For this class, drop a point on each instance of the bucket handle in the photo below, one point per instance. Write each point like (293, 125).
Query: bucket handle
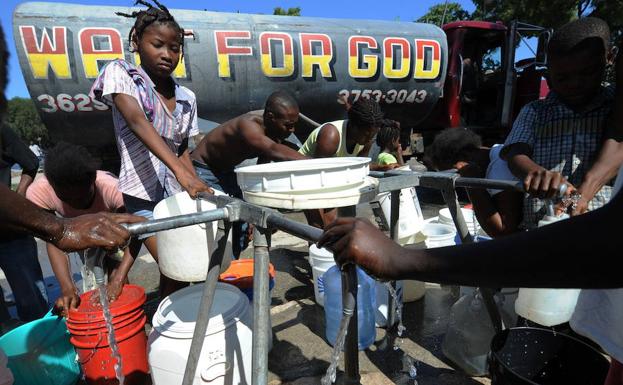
(230, 277)
(216, 370)
(92, 351)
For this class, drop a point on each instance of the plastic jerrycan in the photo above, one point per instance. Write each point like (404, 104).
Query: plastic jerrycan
(547, 307)
(470, 331)
(333, 306)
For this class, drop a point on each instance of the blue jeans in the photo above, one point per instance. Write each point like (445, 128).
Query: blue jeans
(18, 261)
(227, 183)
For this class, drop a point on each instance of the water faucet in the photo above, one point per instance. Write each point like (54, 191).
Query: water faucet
(549, 205)
(94, 261)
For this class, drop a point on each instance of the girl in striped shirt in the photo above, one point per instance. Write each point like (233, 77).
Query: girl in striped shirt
(153, 118)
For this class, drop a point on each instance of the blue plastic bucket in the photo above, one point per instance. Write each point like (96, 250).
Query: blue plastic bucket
(40, 353)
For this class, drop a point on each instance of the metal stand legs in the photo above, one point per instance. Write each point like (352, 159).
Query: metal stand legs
(261, 307)
(349, 300)
(203, 316)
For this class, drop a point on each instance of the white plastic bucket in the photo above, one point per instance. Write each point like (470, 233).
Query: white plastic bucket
(321, 260)
(438, 235)
(412, 290)
(226, 353)
(410, 219)
(468, 214)
(547, 307)
(184, 253)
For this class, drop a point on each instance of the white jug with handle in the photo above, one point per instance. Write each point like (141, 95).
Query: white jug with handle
(547, 307)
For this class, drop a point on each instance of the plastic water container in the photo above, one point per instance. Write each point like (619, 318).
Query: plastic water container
(184, 253)
(89, 335)
(240, 274)
(439, 235)
(547, 307)
(39, 353)
(410, 220)
(468, 214)
(321, 260)
(413, 290)
(365, 307)
(467, 341)
(226, 352)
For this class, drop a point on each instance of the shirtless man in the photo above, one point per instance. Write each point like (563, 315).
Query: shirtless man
(255, 134)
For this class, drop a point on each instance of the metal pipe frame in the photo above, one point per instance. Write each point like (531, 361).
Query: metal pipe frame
(207, 297)
(447, 183)
(261, 307)
(394, 216)
(175, 222)
(232, 209)
(349, 304)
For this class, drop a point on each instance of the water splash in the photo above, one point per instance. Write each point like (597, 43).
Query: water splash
(330, 375)
(398, 311)
(112, 342)
(408, 363)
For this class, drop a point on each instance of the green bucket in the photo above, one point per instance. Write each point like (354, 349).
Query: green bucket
(40, 353)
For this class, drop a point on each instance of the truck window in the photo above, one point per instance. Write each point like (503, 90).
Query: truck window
(492, 61)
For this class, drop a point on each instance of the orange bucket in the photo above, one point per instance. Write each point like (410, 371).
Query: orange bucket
(240, 274)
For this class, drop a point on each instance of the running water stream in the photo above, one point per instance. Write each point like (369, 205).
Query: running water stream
(408, 362)
(112, 342)
(329, 377)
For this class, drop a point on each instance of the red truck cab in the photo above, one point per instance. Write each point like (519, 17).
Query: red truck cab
(484, 88)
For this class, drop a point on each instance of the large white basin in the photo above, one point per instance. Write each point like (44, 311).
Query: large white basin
(303, 175)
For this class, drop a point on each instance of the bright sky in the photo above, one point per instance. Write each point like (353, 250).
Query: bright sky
(359, 9)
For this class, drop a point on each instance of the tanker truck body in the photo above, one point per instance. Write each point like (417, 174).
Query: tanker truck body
(234, 61)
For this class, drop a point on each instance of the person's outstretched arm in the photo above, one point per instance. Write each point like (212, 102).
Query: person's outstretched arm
(582, 252)
(538, 181)
(268, 149)
(146, 133)
(20, 216)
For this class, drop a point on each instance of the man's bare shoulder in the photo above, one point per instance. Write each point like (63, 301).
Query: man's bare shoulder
(251, 121)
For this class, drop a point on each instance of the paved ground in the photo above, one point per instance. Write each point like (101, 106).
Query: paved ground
(300, 354)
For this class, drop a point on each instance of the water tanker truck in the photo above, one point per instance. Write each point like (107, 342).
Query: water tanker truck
(426, 77)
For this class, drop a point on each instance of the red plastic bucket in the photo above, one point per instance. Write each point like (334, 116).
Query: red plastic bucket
(118, 326)
(90, 337)
(90, 310)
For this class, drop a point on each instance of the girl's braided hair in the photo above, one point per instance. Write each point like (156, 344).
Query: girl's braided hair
(153, 14)
(365, 113)
(389, 131)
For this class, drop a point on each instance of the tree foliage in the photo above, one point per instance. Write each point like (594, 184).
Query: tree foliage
(295, 11)
(22, 116)
(550, 13)
(444, 13)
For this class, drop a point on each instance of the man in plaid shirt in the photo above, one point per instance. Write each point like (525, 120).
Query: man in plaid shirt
(564, 136)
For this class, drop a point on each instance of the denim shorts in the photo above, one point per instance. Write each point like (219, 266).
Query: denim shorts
(140, 207)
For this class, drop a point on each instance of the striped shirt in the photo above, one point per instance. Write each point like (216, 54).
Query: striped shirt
(143, 175)
(564, 141)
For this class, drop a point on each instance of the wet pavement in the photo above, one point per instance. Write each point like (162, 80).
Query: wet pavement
(300, 354)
